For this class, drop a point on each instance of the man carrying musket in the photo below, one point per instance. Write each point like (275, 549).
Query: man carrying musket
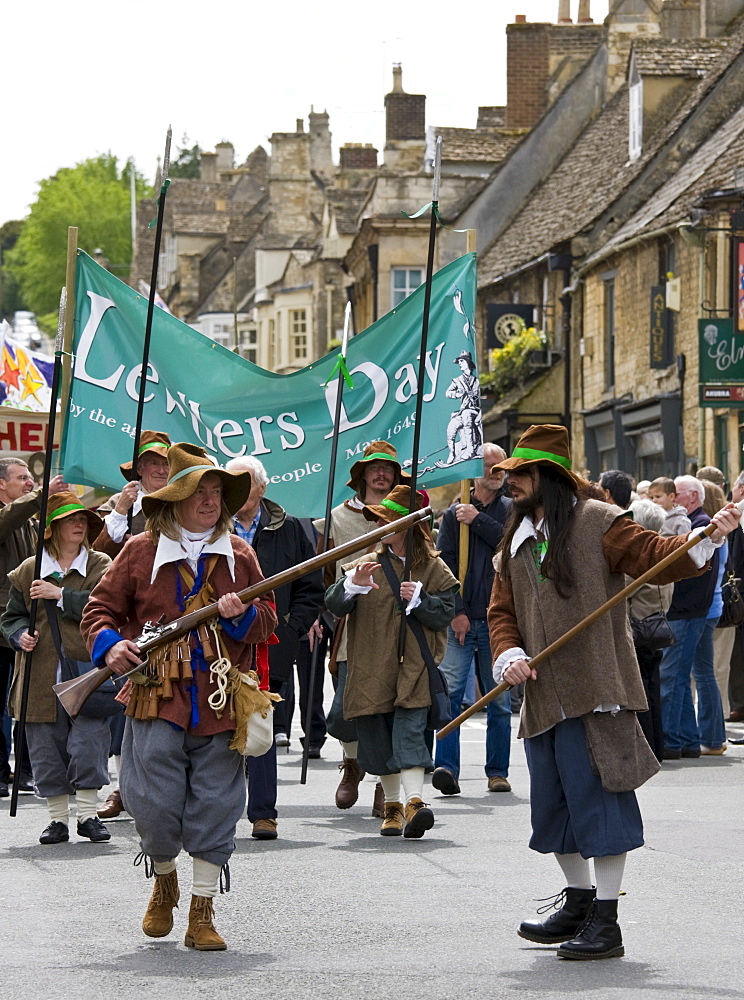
(561, 558)
(182, 783)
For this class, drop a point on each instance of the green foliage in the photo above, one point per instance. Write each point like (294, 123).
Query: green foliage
(48, 323)
(94, 196)
(510, 364)
(10, 296)
(188, 161)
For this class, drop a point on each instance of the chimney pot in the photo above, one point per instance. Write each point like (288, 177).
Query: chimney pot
(564, 12)
(585, 16)
(300, 125)
(520, 19)
(397, 78)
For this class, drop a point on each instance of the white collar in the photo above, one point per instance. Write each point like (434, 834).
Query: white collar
(526, 529)
(190, 546)
(50, 565)
(355, 503)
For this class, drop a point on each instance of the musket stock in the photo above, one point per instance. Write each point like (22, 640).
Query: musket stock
(72, 694)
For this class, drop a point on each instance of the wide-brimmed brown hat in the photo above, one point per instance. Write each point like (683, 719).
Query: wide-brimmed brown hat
(374, 452)
(156, 442)
(395, 505)
(542, 444)
(61, 505)
(187, 464)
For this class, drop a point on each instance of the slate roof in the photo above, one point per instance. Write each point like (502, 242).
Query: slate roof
(346, 206)
(476, 145)
(710, 168)
(685, 57)
(592, 176)
(570, 198)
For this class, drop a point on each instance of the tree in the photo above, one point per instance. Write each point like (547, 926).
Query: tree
(94, 196)
(10, 298)
(188, 161)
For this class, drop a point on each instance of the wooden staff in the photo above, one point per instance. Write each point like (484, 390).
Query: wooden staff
(623, 595)
(464, 539)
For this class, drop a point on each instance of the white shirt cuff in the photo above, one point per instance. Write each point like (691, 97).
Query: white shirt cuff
(116, 525)
(415, 600)
(352, 589)
(703, 551)
(59, 602)
(503, 661)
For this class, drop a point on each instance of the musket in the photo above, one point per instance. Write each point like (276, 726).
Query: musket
(73, 693)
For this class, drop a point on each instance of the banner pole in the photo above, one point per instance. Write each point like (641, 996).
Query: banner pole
(420, 385)
(26, 687)
(150, 311)
(68, 332)
(326, 533)
(463, 547)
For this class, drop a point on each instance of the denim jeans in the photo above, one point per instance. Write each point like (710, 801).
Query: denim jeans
(691, 653)
(456, 666)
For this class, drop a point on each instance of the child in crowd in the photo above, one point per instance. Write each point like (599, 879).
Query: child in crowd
(663, 492)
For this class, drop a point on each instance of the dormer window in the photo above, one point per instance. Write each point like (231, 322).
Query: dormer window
(635, 113)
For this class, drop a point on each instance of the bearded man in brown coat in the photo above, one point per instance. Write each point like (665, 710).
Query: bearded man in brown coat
(561, 558)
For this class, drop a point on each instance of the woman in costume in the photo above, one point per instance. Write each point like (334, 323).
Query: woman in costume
(390, 700)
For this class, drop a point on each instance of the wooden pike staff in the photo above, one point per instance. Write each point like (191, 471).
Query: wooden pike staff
(343, 375)
(464, 538)
(150, 311)
(623, 595)
(420, 385)
(21, 738)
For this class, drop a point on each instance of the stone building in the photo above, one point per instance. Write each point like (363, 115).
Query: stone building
(624, 242)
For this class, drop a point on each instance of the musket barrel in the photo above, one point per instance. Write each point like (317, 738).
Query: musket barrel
(72, 694)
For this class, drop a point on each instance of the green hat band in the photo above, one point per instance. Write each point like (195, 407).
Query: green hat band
(67, 509)
(382, 455)
(533, 454)
(192, 468)
(153, 444)
(392, 505)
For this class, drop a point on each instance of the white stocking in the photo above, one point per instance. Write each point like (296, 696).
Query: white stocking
(412, 779)
(575, 870)
(608, 872)
(391, 787)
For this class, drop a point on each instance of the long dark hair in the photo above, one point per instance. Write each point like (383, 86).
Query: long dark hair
(558, 502)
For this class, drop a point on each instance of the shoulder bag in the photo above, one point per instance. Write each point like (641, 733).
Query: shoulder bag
(653, 632)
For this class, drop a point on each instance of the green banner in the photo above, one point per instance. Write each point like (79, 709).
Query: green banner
(201, 392)
(721, 375)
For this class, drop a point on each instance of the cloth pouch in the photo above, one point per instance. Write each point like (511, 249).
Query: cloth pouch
(618, 750)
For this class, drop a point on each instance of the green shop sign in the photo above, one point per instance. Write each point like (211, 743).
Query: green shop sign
(721, 375)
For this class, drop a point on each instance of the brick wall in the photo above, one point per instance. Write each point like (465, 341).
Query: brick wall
(528, 54)
(405, 116)
(355, 156)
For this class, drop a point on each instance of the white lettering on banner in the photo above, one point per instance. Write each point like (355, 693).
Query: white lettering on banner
(294, 429)
(379, 381)
(296, 474)
(361, 445)
(259, 445)
(410, 380)
(228, 428)
(196, 419)
(133, 376)
(98, 307)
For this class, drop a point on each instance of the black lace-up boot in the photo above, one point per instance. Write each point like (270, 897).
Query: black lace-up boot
(573, 907)
(600, 936)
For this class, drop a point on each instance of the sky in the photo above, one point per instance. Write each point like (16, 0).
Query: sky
(84, 78)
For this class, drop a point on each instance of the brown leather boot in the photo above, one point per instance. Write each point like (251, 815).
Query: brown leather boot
(378, 803)
(392, 824)
(158, 919)
(348, 789)
(419, 818)
(200, 934)
(112, 807)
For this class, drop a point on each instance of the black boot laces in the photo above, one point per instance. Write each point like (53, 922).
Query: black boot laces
(224, 879)
(149, 864)
(551, 902)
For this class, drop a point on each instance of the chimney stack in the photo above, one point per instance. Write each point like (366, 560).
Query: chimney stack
(585, 16)
(564, 12)
(405, 114)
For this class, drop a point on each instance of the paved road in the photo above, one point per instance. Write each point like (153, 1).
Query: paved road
(333, 910)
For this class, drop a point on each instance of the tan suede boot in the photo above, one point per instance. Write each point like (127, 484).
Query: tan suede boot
(158, 920)
(200, 934)
(392, 824)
